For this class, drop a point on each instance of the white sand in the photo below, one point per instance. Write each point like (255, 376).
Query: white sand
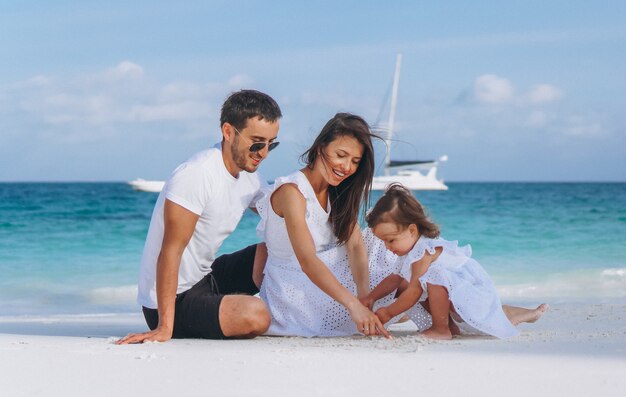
(575, 350)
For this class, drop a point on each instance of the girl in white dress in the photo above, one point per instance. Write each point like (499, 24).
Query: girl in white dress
(317, 266)
(456, 286)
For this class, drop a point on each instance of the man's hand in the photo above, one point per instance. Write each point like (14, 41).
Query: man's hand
(158, 335)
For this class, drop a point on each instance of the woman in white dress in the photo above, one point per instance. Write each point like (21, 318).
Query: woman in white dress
(317, 276)
(317, 266)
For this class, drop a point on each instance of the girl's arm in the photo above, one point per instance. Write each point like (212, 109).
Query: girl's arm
(410, 296)
(387, 286)
(288, 202)
(357, 257)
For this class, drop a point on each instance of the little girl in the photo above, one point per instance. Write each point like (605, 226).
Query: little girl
(457, 286)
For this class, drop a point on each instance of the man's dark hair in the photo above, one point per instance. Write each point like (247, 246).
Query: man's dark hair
(245, 104)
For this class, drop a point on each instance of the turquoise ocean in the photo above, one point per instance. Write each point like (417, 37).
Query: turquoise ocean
(74, 248)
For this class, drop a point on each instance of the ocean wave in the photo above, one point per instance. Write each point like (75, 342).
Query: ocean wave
(597, 284)
(123, 295)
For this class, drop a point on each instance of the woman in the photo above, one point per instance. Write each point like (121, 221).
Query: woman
(309, 223)
(317, 275)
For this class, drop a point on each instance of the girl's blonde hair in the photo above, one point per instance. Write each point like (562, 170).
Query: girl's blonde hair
(397, 205)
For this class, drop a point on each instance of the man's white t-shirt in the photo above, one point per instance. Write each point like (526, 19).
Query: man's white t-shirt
(203, 186)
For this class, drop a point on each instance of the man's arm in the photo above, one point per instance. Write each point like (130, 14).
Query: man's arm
(179, 225)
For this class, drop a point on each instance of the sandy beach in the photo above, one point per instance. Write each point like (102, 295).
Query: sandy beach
(574, 350)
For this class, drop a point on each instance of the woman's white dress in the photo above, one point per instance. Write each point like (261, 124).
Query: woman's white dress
(297, 306)
(470, 288)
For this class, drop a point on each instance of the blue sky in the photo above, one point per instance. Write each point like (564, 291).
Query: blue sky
(510, 91)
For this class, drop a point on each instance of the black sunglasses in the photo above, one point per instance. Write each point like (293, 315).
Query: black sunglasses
(255, 147)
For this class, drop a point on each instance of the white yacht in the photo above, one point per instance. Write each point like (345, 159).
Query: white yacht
(143, 185)
(409, 173)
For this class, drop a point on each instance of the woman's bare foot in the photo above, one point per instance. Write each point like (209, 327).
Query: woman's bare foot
(436, 333)
(518, 315)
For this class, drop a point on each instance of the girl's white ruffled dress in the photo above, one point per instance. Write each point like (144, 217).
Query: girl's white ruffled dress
(297, 306)
(470, 288)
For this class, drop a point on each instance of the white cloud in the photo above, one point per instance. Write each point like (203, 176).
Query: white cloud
(241, 81)
(125, 70)
(179, 111)
(493, 89)
(122, 102)
(39, 81)
(581, 126)
(180, 91)
(119, 94)
(544, 93)
(340, 101)
(490, 88)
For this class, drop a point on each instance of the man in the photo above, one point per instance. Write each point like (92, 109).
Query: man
(184, 290)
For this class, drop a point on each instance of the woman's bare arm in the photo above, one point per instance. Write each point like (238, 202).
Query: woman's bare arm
(357, 257)
(289, 203)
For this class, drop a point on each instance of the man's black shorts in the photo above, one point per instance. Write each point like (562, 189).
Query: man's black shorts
(197, 309)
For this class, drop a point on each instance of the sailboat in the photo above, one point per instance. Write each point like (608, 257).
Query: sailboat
(396, 171)
(402, 171)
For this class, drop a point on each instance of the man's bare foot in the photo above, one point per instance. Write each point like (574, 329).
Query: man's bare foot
(518, 315)
(436, 333)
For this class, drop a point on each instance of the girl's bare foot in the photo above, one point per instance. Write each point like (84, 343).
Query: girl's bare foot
(518, 315)
(454, 329)
(436, 333)
(403, 319)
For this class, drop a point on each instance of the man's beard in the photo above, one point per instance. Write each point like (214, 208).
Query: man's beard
(239, 156)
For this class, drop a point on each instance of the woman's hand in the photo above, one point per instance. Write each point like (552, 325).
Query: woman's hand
(160, 334)
(366, 321)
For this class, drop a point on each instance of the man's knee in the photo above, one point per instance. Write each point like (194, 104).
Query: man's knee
(258, 317)
(242, 315)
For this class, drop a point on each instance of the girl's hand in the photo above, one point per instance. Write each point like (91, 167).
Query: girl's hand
(367, 302)
(366, 321)
(383, 315)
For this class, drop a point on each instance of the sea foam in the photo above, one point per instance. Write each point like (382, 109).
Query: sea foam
(607, 284)
(123, 295)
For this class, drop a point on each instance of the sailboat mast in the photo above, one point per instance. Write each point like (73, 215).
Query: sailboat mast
(392, 110)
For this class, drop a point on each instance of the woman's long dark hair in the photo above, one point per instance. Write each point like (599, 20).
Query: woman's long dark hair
(346, 198)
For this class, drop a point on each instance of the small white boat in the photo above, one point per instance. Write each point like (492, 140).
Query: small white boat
(406, 172)
(143, 185)
(412, 178)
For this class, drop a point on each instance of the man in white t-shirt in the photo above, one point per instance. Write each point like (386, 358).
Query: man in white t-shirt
(185, 291)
